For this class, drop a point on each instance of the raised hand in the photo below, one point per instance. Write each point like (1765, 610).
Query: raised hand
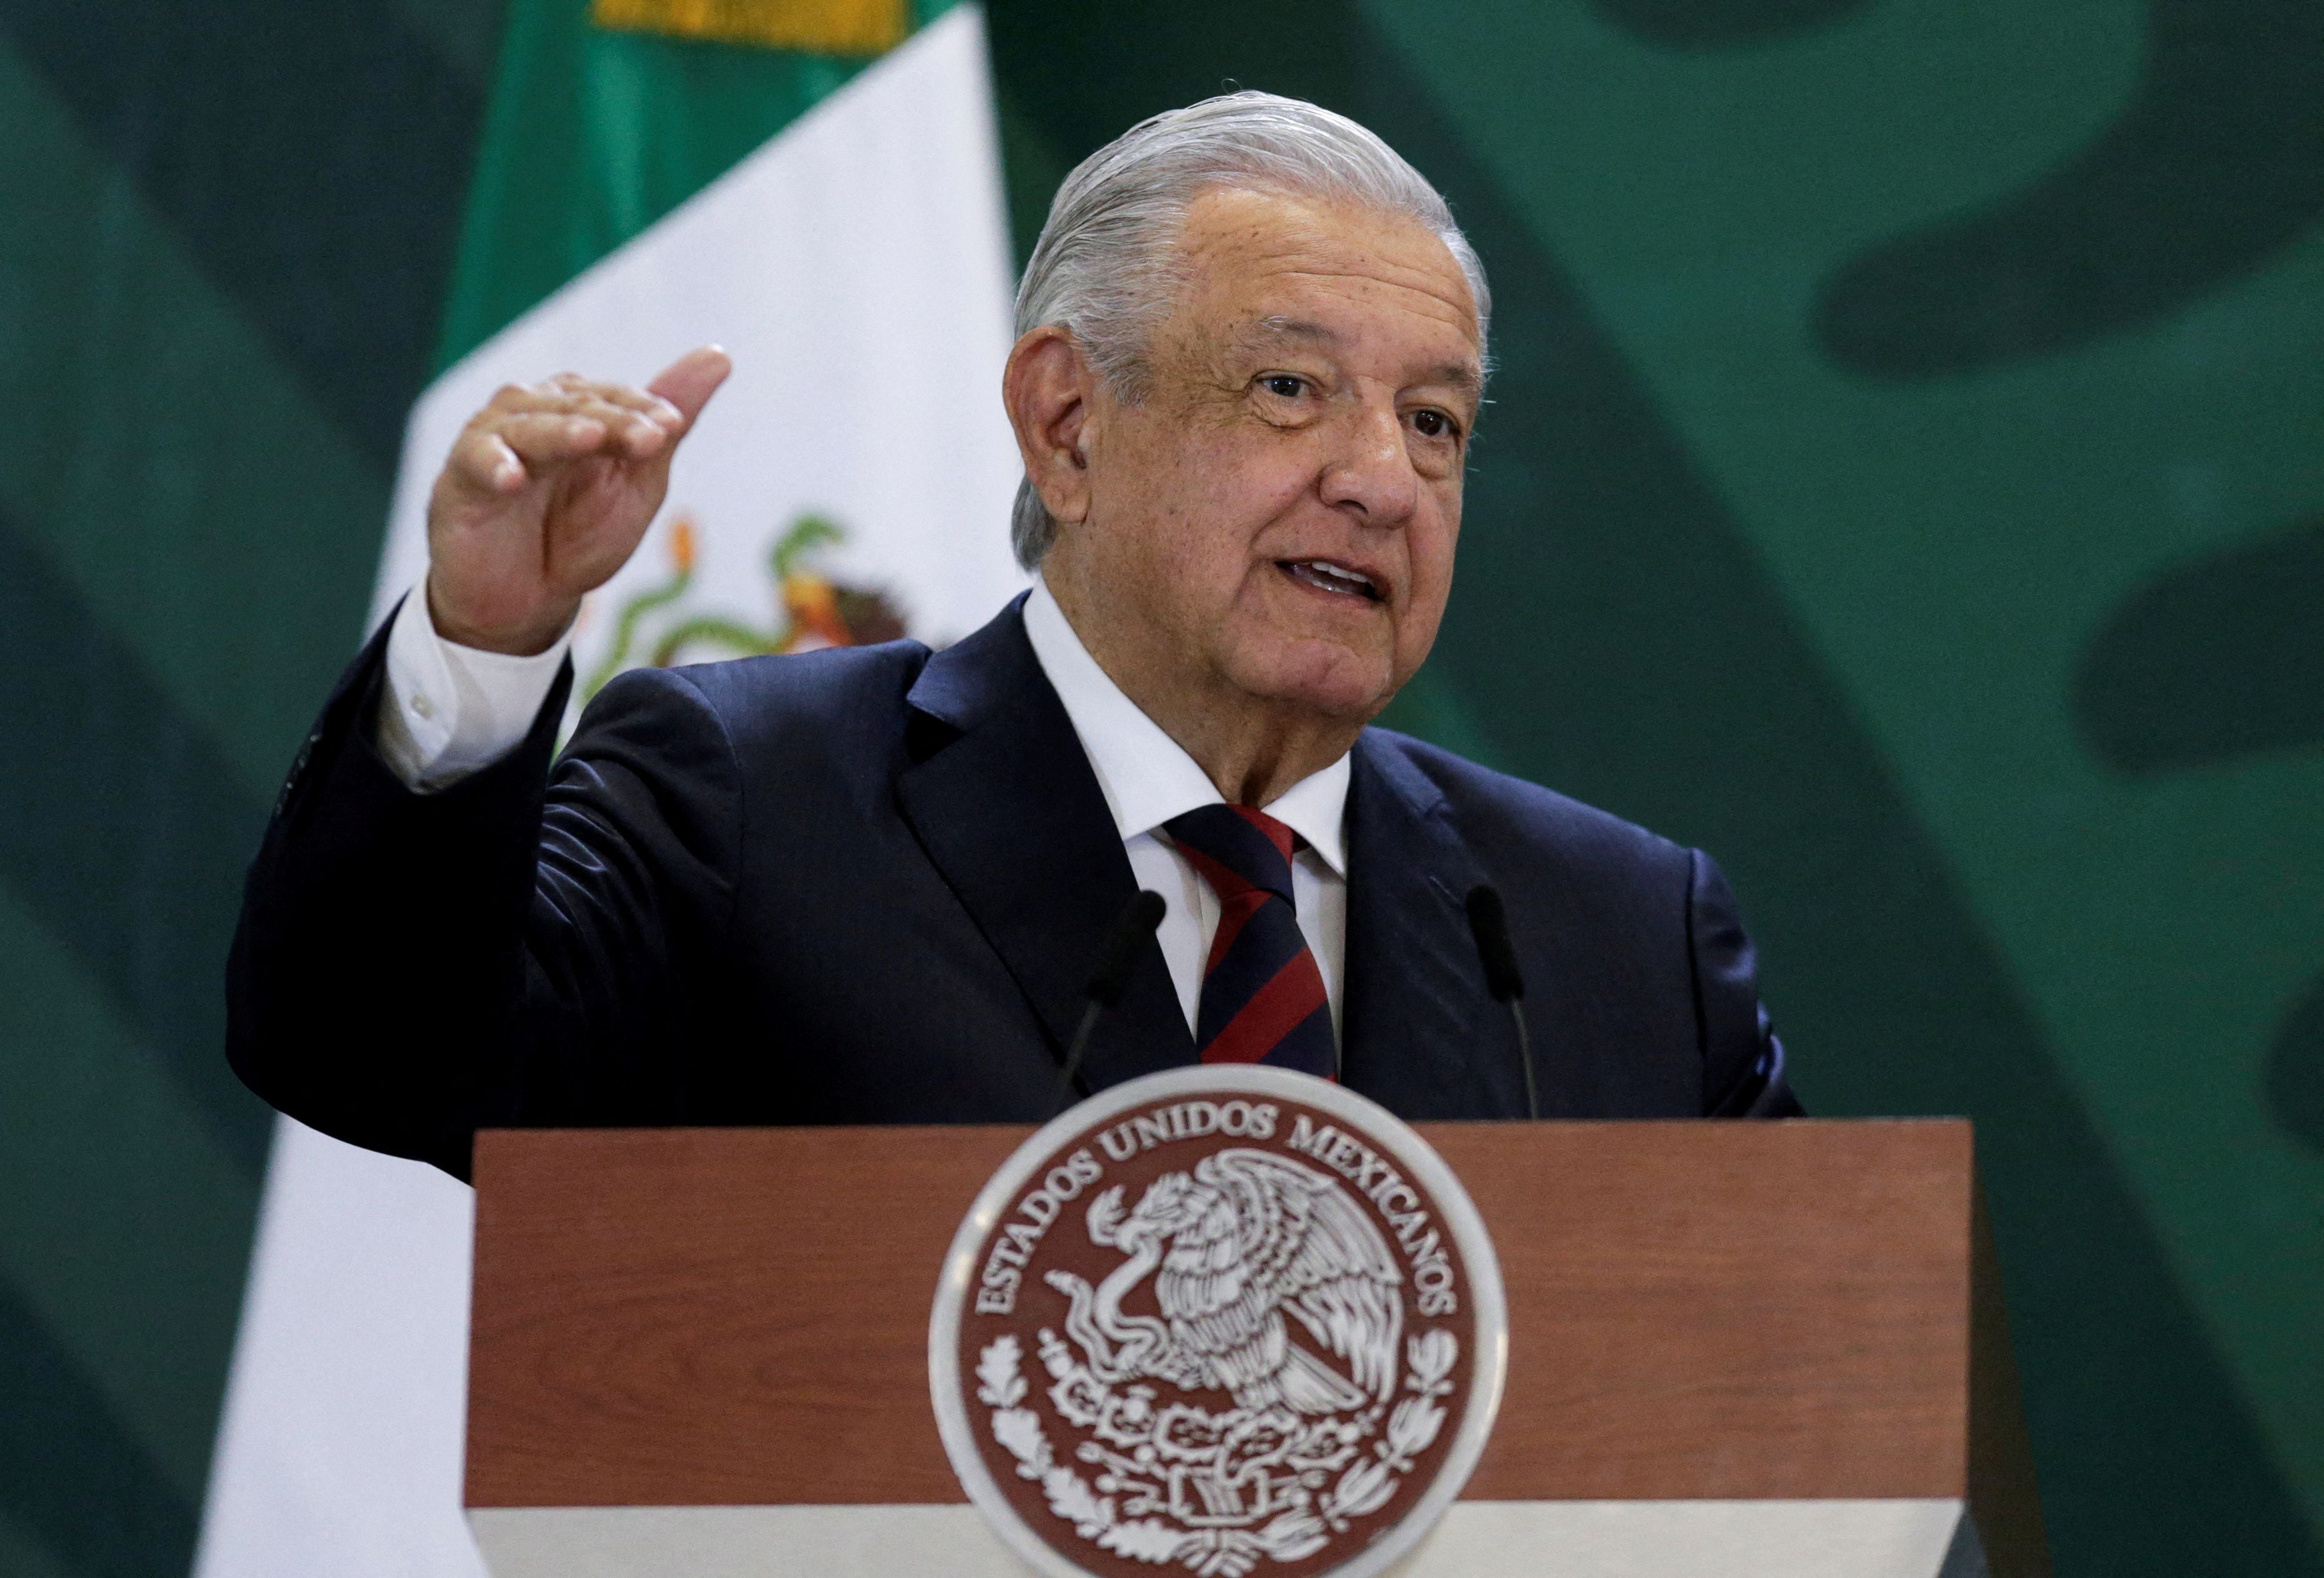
(546, 493)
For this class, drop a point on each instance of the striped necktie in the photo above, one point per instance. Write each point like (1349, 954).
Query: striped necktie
(1263, 998)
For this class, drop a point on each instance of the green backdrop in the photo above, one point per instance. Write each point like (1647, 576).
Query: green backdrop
(1905, 478)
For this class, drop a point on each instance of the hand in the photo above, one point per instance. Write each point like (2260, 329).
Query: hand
(546, 495)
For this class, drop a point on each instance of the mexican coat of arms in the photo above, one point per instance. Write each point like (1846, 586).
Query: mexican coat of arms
(1220, 1321)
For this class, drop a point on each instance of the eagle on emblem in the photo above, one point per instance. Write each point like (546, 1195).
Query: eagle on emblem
(1245, 1241)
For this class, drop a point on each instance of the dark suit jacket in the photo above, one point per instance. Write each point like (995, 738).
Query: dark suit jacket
(867, 886)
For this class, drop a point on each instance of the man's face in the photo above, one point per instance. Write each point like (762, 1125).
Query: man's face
(1278, 515)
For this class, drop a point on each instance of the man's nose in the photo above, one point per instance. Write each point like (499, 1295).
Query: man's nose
(1370, 472)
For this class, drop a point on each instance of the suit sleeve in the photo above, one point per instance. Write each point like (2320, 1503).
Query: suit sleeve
(1743, 1074)
(512, 950)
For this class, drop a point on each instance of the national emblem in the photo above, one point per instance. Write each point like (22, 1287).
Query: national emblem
(1287, 1353)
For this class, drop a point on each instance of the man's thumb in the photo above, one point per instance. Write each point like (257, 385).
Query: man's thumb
(689, 382)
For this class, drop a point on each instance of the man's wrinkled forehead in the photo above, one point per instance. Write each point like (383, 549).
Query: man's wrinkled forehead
(1308, 229)
(1261, 272)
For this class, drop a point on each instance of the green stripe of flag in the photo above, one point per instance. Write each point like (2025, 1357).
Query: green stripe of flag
(595, 134)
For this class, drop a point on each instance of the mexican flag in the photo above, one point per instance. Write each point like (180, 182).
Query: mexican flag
(814, 185)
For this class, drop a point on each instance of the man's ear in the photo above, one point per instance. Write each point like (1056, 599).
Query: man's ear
(1049, 388)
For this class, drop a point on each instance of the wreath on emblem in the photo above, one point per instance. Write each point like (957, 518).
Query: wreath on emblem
(1248, 1239)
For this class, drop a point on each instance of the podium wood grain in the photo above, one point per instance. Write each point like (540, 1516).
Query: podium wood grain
(739, 1316)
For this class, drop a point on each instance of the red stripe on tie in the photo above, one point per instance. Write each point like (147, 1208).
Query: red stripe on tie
(1274, 1011)
(1224, 879)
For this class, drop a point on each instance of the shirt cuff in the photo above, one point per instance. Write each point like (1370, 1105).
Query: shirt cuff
(450, 709)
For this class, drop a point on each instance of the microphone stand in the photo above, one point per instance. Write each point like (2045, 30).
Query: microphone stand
(1489, 924)
(1131, 932)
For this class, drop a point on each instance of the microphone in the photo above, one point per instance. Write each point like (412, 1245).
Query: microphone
(1132, 929)
(1489, 924)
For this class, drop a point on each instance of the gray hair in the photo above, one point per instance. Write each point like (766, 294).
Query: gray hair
(1102, 268)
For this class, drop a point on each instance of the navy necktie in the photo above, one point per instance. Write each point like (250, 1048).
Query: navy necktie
(1263, 998)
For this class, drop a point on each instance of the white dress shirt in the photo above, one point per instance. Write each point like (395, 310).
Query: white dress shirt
(1148, 778)
(457, 709)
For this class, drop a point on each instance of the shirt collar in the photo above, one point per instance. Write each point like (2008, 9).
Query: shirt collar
(1146, 776)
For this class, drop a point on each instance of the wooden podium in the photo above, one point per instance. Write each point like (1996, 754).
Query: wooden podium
(1736, 1349)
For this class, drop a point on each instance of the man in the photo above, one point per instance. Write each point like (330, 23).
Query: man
(869, 885)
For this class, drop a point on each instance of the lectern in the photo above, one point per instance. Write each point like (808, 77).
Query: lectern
(1735, 1349)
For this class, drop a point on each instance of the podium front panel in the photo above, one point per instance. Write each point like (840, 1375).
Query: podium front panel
(1736, 1315)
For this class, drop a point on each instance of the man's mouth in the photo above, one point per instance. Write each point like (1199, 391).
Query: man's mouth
(1336, 579)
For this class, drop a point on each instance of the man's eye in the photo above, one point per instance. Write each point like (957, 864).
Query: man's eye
(1284, 385)
(1433, 424)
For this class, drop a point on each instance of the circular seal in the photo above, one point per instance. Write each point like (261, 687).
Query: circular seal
(1229, 1319)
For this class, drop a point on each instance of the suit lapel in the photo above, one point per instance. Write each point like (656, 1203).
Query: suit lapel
(1001, 797)
(1420, 1034)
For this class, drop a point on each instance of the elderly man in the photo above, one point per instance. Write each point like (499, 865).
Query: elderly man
(868, 885)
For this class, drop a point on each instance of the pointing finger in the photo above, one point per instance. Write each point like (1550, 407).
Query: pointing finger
(571, 393)
(642, 402)
(638, 430)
